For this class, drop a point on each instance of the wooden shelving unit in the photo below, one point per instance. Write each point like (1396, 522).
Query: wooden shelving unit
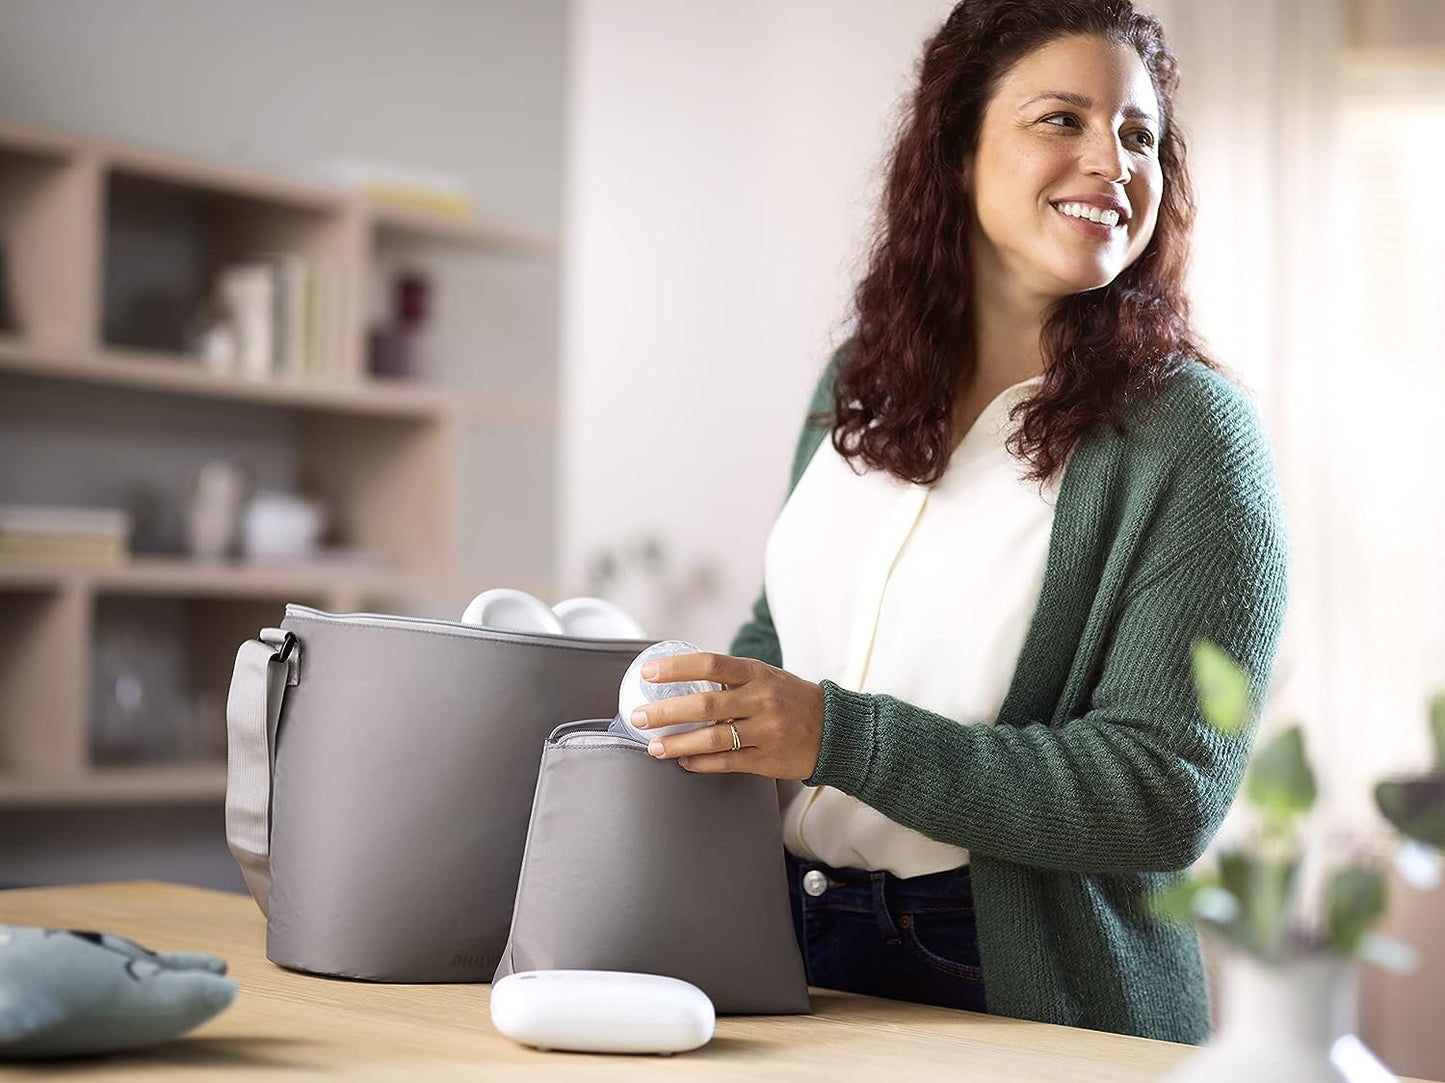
(167, 784)
(384, 455)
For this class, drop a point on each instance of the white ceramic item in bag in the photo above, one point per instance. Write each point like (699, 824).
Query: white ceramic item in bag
(512, 609)
(597, 618)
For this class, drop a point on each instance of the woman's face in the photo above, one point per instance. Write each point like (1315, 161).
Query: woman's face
(1073, 129)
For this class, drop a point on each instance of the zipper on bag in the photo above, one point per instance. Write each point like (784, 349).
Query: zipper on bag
(452, 627)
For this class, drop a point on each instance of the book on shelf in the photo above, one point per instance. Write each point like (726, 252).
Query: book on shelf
(405, 187)
(284, 309)
(83, 535)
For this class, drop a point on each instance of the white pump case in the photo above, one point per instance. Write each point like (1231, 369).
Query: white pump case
(602, 1011)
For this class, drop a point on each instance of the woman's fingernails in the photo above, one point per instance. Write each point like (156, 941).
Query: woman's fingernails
(639, 718)
(649, 670)
(655, 747)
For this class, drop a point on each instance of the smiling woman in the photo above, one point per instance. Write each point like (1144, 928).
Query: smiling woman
(973, 643)
(1065, 159)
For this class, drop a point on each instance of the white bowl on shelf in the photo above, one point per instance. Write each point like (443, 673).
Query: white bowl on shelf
(514, 610)
(281, 526)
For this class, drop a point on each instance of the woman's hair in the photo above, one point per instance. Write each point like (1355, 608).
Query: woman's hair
(894, 393)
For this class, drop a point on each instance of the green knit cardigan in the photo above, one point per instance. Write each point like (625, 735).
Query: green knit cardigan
(1100, 780)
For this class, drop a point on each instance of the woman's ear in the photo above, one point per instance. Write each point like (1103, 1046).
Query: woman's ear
(965, 175)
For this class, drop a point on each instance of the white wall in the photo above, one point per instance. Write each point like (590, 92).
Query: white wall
(722, 169)
(472, 87)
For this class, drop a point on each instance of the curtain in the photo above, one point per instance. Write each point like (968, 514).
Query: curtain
(1319, 276)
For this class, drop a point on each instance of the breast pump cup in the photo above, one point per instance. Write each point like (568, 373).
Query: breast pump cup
(635, 691)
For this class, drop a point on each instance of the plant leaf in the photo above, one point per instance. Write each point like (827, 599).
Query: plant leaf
(1354, 900)
(1264, 887)
(1281, 783)
(1416, 807)
(1195, 900)
(1174, 901)
(1222, 687)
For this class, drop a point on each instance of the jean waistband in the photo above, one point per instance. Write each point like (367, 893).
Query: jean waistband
(950, 888)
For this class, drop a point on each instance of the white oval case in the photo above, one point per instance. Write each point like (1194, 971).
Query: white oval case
(602, 1011)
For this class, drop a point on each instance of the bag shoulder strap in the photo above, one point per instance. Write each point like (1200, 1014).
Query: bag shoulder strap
(264, 668)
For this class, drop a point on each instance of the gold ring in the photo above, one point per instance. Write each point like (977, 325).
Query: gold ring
(737, 741)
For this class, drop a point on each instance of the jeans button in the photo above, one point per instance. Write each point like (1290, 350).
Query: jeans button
(815, 882)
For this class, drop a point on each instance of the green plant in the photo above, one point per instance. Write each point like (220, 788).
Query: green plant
(1251, 898)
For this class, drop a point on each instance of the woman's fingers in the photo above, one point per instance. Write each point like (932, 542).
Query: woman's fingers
(732, 673)
(779, 717)
(701, 666)
(752, 760)
(700, 707)
(699, 742)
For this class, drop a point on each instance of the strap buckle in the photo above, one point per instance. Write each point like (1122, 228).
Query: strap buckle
(286, 651)
(283, 652)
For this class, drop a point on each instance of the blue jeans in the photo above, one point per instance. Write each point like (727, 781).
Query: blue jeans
(876, 933)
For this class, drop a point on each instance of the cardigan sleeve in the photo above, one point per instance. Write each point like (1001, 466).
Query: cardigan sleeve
(1138, 781)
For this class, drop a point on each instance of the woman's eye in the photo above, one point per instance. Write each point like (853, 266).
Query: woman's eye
(1062, 120)
(1144, 137)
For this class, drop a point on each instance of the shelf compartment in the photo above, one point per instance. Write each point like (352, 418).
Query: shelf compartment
(378, 476)
(482, 335)
(49, 206)
(161, 784)
(166, 236)
(160, 670)
(380, 479)
(43, 640)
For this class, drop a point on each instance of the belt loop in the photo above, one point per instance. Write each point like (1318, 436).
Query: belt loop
(880, 905)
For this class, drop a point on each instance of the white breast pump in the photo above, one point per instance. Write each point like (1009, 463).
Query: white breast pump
(635, 691)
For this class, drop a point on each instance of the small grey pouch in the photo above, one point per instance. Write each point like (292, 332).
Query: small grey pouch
(379, 777)
(67, 993)
(634, 864)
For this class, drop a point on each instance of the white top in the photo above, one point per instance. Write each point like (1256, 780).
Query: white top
(923, 593)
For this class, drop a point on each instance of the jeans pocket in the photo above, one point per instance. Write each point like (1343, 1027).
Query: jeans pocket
(943, 940)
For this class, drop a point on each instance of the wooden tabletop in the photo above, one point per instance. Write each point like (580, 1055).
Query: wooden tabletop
(297, 1025)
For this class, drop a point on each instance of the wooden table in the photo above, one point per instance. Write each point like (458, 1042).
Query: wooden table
(296, 1026)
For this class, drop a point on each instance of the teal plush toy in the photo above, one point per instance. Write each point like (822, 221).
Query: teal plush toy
(66, 993)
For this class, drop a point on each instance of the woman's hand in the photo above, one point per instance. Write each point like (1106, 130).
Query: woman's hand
(779, 717)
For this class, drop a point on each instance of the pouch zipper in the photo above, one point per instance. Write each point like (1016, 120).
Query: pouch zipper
(452, 627)
(595, 738)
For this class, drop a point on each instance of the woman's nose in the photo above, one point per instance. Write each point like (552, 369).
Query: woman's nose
(1105, 156)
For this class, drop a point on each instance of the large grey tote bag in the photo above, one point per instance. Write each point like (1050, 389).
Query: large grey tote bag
(379, 778)
(634, 864)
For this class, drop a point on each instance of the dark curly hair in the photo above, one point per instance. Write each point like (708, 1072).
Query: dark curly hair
(894, 392)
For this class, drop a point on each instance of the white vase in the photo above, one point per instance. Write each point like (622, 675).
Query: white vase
(1287, 1023)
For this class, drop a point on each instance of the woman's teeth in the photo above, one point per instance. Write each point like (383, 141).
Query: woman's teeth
(1092, 214)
